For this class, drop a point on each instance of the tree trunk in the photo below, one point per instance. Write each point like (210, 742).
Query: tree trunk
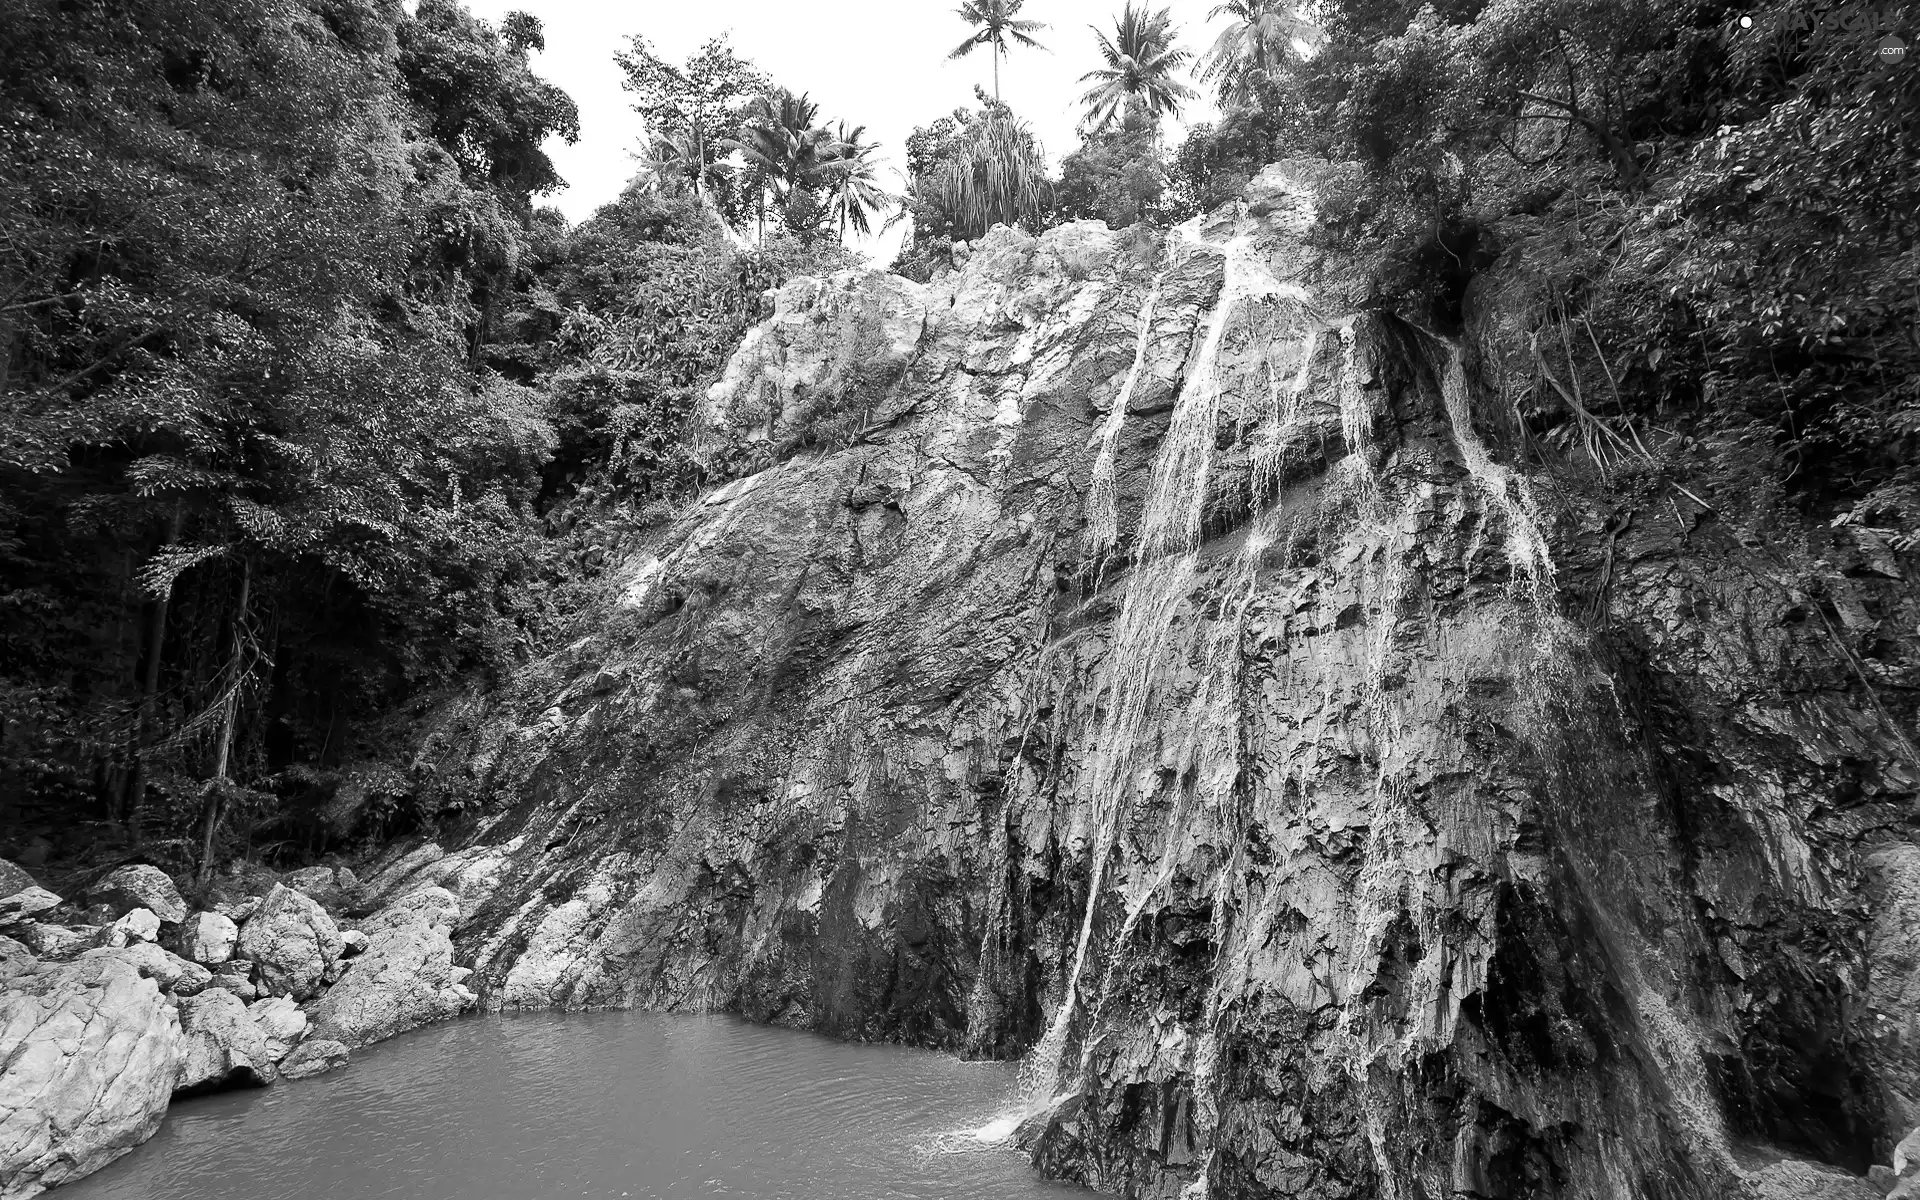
(215, 793)
(996, 73)
(136, 792)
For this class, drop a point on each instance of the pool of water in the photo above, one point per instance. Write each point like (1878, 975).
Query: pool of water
(548, 1105)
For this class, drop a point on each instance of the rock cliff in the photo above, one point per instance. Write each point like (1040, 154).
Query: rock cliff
(1143, 653)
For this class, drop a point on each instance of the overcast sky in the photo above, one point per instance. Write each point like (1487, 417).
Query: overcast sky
(881, 63)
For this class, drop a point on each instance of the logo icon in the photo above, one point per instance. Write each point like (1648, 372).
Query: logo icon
(1891, 50)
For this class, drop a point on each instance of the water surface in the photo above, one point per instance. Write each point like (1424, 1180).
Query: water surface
(539, 1105)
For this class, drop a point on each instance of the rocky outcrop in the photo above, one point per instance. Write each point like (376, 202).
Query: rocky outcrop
(292, 942)
(1152, 656)
(224, 1047)
(140, 886)
(91, 1052)
(404, 979)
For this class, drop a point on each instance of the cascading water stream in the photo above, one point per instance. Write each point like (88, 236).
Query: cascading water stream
(1103, 503)
(1162, 578)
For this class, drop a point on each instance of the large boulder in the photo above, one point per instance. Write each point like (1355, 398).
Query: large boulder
(140, 886)
(173, 973)
(313, 1058)
(91, 1050)
(26, 903)
(292, 943)
(281, 1023)
(236, 975)
(224, 1045)
(209, 938)
(405, 978)
(15, 959)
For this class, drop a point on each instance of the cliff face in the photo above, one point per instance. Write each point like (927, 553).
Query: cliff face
(1134, 656)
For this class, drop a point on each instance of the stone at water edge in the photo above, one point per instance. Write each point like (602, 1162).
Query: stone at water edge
(140, 886)
(292, 943)
(139, 925)
(26, 903)
(405, 979)
(208, 938)
(224, 1045)
(92, 1051)
(313, 1058)
(281, 1022)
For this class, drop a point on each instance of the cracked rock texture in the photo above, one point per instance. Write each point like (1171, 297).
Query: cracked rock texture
(1329, 802)
(91, 1051)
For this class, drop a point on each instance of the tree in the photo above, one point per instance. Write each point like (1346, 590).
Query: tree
(1255, 48)
(1115, 176)
(1141, 60)
(782, 143)
(698, 105)
(854, 190)
(996, 22)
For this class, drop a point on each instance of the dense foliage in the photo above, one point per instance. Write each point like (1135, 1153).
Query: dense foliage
(294, 382)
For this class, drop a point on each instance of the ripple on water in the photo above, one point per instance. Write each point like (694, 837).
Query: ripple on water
(533, 1106)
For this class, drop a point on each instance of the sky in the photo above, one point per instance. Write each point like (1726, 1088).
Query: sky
(878, 63)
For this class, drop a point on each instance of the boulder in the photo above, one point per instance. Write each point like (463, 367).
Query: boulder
(406, 978)
(332, 888)
(209, 938)
(292, 943)
(92, 1050)
(281, 1023)
(15, 878)
(56, 942)
(173, 973)
(236, 976)
(313, 1058)
(28, 902)
(352, 942)
(141, 886)
(139, 925)
(224, 1046)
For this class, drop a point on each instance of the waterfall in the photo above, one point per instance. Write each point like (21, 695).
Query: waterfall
(1506, 492)
(1103, 511)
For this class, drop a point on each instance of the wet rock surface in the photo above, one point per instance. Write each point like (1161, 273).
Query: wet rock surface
(1156, 668)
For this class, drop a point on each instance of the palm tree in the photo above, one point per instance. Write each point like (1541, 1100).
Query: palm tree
(995, 22)
(781, 143)
(853, 187)
(1258, 44)
(1141, 59)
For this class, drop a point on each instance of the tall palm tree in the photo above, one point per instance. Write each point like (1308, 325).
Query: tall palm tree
(854, 193)
(1256, 47)
(1141, 59)
(995, 23)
